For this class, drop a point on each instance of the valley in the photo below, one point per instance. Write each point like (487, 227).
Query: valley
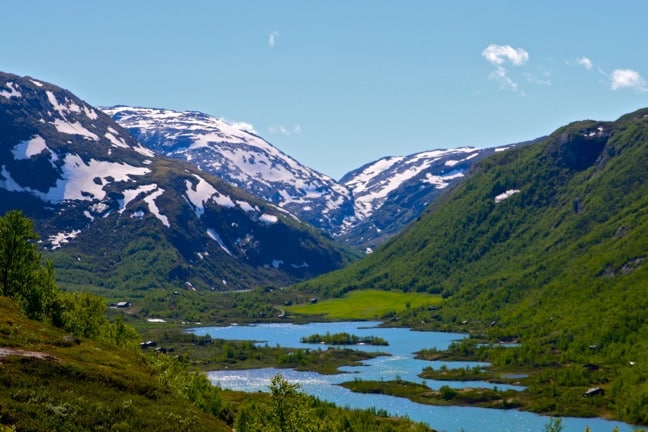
(527, 259)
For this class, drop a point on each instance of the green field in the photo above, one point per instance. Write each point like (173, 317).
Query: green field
(366, 304)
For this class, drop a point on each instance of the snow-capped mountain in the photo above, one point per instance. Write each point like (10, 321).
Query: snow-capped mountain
(364, 208)
(131, 218)
(393, 191)
(241, 158)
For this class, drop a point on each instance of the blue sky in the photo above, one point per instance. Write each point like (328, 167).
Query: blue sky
(339, 83)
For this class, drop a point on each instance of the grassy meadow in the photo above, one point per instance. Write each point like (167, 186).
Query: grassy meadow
(366, 304)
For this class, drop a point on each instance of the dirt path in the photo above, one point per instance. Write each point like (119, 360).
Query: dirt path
(5, 352)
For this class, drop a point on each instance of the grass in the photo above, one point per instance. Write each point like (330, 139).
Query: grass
(366, 304)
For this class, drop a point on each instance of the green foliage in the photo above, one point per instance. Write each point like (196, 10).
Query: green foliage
(32, 286)
(192, 386)
(22, 277)
(287, 409)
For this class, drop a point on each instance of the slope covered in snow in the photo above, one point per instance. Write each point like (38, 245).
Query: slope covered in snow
(393, 191)
(242, 158)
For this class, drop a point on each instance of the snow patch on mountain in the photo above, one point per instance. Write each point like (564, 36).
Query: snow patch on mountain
(268, 219)
(74, 128)
(57, 240)
(117, 141)
(131, 194)
(214, 236)
(78, 179)
(198, 194)
(153, 208)
(443, 181)
(14, 91)
(246, 206)
(32, 147)
(68, 107)
(223, 200)
(509, 193)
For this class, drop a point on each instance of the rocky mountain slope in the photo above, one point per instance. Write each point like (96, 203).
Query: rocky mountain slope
(363, 209)
(113, 214)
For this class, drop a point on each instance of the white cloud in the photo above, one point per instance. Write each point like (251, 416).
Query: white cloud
(585, 62)
(283, 130)
(500, 54)
(272, 38)
(627, 78)
(500, 75)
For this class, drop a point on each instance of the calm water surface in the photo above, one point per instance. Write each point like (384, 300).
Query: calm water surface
(399, 364)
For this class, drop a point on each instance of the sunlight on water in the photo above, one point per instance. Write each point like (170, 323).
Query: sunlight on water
(400, 364)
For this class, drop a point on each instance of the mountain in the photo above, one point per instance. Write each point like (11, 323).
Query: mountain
(363, 209)
(114, 215)
(393, 191)
(242, 158)
(547, 245)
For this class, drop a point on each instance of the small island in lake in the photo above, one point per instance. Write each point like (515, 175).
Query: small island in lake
(344, 339)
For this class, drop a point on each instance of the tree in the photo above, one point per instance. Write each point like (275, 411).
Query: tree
(22, 276)
(287, 410)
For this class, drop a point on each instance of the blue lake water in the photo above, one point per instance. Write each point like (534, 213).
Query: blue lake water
(399, 364)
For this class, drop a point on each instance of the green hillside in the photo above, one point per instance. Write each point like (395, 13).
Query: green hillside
(559, 264)
(54, 382)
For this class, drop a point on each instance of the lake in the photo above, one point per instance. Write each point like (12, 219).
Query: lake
(399, 364)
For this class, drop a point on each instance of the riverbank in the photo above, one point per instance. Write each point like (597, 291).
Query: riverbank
(206, 353)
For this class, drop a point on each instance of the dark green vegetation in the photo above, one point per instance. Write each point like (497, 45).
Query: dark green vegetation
(559, 266)
(446, 395)
(343, 339)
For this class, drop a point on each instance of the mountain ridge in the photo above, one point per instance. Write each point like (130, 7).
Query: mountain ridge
(342, 209)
